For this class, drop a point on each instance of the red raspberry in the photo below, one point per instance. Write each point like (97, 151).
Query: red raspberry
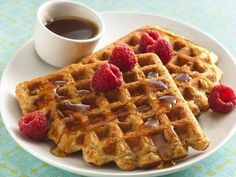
(123, 57)
(107, 77)
(34, 125)
(222, 98)
(148, 38)
(163, 49)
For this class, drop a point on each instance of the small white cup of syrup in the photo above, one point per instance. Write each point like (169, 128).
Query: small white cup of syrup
(66, 31)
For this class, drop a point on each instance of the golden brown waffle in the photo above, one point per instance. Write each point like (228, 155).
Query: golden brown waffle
(144, 123)
(192, 67)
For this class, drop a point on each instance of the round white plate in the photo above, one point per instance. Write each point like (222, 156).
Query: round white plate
(27, 65)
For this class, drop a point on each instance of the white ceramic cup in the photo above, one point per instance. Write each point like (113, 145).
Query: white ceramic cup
(61, 51)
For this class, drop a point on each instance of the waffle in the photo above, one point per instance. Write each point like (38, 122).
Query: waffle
(144, 123)
(192, 67)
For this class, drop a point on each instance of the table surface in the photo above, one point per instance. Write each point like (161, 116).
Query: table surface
(216, 17)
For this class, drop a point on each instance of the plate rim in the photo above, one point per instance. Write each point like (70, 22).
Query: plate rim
(82, 171)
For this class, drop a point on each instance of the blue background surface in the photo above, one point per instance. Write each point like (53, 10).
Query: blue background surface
(216, 17)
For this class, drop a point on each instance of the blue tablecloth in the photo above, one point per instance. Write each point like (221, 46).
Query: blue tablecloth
(216, 17)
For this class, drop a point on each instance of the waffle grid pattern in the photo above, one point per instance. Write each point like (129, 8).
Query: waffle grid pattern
(144, 123)
(18, 26)
(191, 60)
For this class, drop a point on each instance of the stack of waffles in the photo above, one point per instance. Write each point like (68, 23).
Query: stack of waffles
(145, 123)
(192, 67)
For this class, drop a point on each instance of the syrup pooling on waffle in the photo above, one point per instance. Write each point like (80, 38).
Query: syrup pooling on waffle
(142, 124)
(193, 68)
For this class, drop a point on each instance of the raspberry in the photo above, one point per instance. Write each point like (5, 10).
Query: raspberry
(34, 126)
(148, 38)
(107, 77)
(123, 57)
(222, 98)
(163, 49)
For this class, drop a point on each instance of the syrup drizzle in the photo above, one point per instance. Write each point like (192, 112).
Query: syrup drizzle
(60, 113)
(122, 113)
(83, 92)
(152, 74)
(158, 85)
(183, 77)
(152, 122)
(77, 106)
(162, 144)
(144, 108)
(60, 97)
(168, 101)
(181, 130)
(58, 84)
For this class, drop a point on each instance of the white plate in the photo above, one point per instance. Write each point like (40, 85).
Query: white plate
(26, 65)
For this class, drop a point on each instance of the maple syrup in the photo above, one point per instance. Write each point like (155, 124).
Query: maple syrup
(125, 127)
(77, 106)
(181, 130)
(158, 85)
(82, 92)
(183, 77)
(152, 74)
(160, 141)
(58, 96)
(61, 114)
(144, 108)
(167, 101)
(122, 113)
(152, 122)
(73, 27)
(58, 84)
(63, 110)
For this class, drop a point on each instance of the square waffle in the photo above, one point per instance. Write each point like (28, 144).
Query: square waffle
(144, 123)
(192, 67)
